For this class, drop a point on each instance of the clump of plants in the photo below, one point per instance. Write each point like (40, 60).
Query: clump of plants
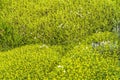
(56, 22)
(103, 42)
(101, 36)
(28, 62)
(84, 63)
(80, 39)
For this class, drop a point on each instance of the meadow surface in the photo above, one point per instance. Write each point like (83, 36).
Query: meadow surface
(59, 39)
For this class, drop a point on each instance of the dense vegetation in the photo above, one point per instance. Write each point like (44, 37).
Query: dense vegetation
(59, 39)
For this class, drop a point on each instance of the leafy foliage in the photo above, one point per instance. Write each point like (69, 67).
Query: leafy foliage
(84, 63)
(33, 61)
(56, 21)
(103, 42)
(80, 39)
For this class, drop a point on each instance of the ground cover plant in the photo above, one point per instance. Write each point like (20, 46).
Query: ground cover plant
(55, 22)
(59, 39)
(84, 63)
(28, 62)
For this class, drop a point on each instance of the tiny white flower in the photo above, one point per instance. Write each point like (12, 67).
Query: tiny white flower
(59, 66)
(43, 46)
(86, 47)
(79, 43)
(60, 26)
(35, 37)
(88, 12)
(64, 71)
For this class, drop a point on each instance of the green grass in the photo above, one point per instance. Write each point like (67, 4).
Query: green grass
(59, 39)
(54, 22)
